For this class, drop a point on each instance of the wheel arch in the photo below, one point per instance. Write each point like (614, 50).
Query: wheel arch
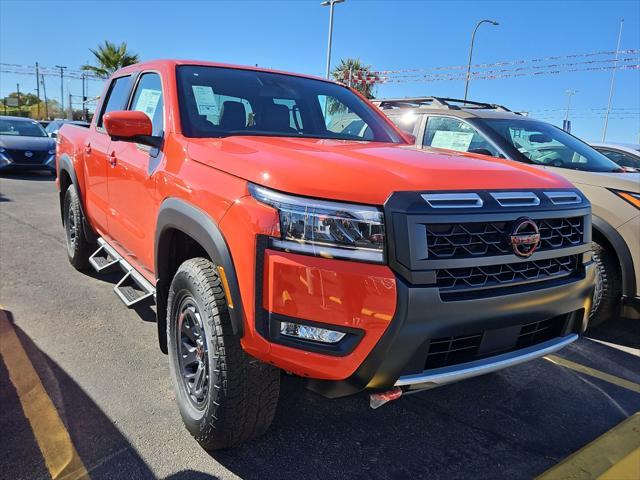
(604, 231)
(67, 178)
(177, 215)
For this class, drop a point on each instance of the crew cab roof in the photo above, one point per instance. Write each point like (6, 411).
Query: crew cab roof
(172, 63)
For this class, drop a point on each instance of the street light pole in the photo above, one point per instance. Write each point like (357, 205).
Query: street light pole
(613, 81)
(330, 4)
(566, 125)
(62, 68)
(473, 37)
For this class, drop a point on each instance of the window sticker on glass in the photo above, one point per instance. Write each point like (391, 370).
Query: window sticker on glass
(452, 140)
(205, 100)
(148, 101)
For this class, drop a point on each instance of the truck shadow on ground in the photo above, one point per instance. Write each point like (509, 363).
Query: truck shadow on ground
(513, 424)
(104, 450)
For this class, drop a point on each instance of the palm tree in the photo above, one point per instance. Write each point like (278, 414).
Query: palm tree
(111, 57)
(362, 79)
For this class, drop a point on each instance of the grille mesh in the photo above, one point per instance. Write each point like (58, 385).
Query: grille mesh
(466, 348)
(470, 240)
(472, 278)
(18, 156)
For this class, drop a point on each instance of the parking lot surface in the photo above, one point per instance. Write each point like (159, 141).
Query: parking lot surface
(108, 382)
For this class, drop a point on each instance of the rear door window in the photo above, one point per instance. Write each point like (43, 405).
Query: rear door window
(148, 99)
(117, 96)
(406, 122)
(454, 134)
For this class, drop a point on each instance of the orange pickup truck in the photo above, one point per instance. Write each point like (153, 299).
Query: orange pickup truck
(280, 222)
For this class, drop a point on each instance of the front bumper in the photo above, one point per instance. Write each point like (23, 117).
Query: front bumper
(421, 315)
(8, 164)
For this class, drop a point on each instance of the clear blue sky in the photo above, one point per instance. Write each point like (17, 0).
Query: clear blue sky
(291, 35)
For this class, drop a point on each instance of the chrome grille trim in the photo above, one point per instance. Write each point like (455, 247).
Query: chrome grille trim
(564, 198)
(453, 200)
(516, 199)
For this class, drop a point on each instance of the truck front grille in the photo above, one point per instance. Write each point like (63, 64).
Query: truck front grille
(447, 351)
(491, 276)
(478, 239)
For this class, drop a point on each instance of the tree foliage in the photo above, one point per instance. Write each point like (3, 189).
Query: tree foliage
(353, 68)
(110, 57)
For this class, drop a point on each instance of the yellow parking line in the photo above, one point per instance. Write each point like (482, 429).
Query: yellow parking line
(612, 456)
(621, 382)
(54, 441)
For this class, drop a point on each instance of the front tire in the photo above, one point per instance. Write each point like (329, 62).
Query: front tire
(225, 396)
(608, 290)
(78, 248)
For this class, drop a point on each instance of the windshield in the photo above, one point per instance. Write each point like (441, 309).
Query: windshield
(21, 128)
(545, 144)
(219, 102)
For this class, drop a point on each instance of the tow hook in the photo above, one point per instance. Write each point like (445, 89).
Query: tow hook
(378, 399)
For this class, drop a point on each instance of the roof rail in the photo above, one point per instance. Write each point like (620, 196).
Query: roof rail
(435, 102)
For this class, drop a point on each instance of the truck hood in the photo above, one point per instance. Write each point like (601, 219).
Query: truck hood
(363, 172)
(16, 142)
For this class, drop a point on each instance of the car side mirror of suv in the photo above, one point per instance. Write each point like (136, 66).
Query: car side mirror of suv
(131, 126)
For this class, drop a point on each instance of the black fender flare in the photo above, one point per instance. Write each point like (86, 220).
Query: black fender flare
(180, 215)
(622, 251)
(66, 165)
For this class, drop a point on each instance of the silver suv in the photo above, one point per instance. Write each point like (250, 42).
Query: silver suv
(493, 130)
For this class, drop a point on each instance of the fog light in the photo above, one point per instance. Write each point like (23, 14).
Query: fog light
(306, 332)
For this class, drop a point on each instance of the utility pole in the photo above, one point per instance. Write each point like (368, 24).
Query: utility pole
(38, 88)
(46, 102)
(84, 99)
(566, 124)
(473, 37)
(613, 81)
(18, 90)
(330, 4)
(62, 68)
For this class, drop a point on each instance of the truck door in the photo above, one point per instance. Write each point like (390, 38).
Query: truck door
(132, 191)
(96, 160)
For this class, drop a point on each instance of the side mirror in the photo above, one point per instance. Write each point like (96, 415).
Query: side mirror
(53, 134)
(130, 126)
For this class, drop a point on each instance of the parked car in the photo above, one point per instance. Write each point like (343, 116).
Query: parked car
(24, 145)
(493, 130)
(55, 125)
(274, 237)
(627, 155)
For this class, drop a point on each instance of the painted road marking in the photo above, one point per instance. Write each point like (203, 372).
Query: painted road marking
(621, 382)
(612, 456)
(54, 441)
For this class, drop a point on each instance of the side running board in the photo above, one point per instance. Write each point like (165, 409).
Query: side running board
(133, 288)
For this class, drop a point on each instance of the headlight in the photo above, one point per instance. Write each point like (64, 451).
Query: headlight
(324, 228)
(52, 151)
(2, 150)
(631, 197)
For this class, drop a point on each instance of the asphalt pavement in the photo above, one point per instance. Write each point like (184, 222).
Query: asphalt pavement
(101, 367)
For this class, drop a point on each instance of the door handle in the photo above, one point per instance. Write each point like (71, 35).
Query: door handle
(113, 160)
(87, 148)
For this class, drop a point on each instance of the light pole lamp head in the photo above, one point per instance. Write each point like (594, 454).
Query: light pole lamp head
(328, 3)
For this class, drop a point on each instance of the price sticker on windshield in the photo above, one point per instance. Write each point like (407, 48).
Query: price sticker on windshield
(459, 141)
(205, 100)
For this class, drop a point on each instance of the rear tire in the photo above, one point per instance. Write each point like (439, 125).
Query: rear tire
(608, 291)
(78, 248)
(225, 396)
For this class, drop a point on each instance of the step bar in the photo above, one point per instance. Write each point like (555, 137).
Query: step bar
(133, 289)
